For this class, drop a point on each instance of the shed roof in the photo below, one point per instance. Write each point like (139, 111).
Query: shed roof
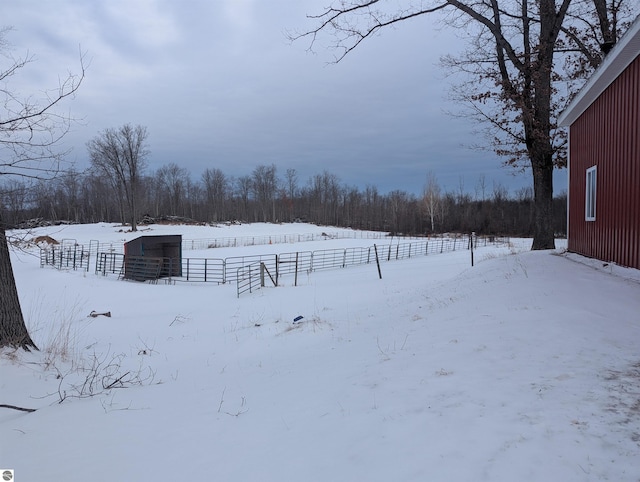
(618, 59)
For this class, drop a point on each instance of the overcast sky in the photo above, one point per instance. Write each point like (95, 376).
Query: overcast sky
(218, 85)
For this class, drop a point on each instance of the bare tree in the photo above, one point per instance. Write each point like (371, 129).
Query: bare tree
(291, 177)
(481, 188)
(69, 188)
(30, 132)
(373, 208)
(13, 199)
(243, 191)
(98, 199)
(216, 187)
(290, 191)
(401, 206)
(265, 186)
(431, 199)
(173, 182)
(351, 208)
(518, 52)
(120, 155)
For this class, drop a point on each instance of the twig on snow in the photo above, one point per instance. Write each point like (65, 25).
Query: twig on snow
(21, 409)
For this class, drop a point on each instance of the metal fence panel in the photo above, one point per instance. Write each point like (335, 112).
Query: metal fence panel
(109, 263)
(287, 262)
(248, 278)
(328, 259)
(232, 264)
(143, 268)
(67, 255)
(206, 270)
(357, 256)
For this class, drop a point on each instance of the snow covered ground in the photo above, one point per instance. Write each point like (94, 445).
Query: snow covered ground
(524, 367)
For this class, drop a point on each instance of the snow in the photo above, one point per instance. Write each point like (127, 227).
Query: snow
(524, 367)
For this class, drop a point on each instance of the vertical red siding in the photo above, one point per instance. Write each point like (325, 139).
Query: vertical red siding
(607, 135)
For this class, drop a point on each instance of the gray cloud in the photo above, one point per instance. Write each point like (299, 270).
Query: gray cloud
(218, 85)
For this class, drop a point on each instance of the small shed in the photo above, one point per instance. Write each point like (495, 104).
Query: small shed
(604, 158)
(153, 257)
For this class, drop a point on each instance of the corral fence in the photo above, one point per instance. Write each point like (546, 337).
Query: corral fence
(236, 241)
(252, 277)
(68, 254)
(248, 272)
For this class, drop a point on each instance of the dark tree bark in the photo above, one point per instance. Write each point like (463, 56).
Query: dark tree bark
(13, 331)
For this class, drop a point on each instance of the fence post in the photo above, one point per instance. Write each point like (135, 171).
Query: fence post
(277, 270)
(377, 261)
(295, 282)
(262, 274)
(224, 271)
(471, 244)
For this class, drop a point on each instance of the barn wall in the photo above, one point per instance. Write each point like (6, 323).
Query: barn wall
(607, 135)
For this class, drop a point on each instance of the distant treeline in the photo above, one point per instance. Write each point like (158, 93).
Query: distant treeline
(263, 196)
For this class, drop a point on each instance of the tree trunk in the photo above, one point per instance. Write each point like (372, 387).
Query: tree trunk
(133, 205)
(543, 235)
(13, 331)
(539, 131)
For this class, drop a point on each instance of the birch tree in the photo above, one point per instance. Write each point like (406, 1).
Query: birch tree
(431, 200)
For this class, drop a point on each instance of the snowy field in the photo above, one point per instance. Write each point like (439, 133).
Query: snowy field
(524, 367)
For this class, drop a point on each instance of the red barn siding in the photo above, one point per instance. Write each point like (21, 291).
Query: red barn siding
(607, 135)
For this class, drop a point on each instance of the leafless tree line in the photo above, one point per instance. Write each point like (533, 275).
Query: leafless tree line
(265, 196)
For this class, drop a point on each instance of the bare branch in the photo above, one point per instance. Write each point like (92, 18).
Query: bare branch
(21, 409)
(31, 130)
(349, 33)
